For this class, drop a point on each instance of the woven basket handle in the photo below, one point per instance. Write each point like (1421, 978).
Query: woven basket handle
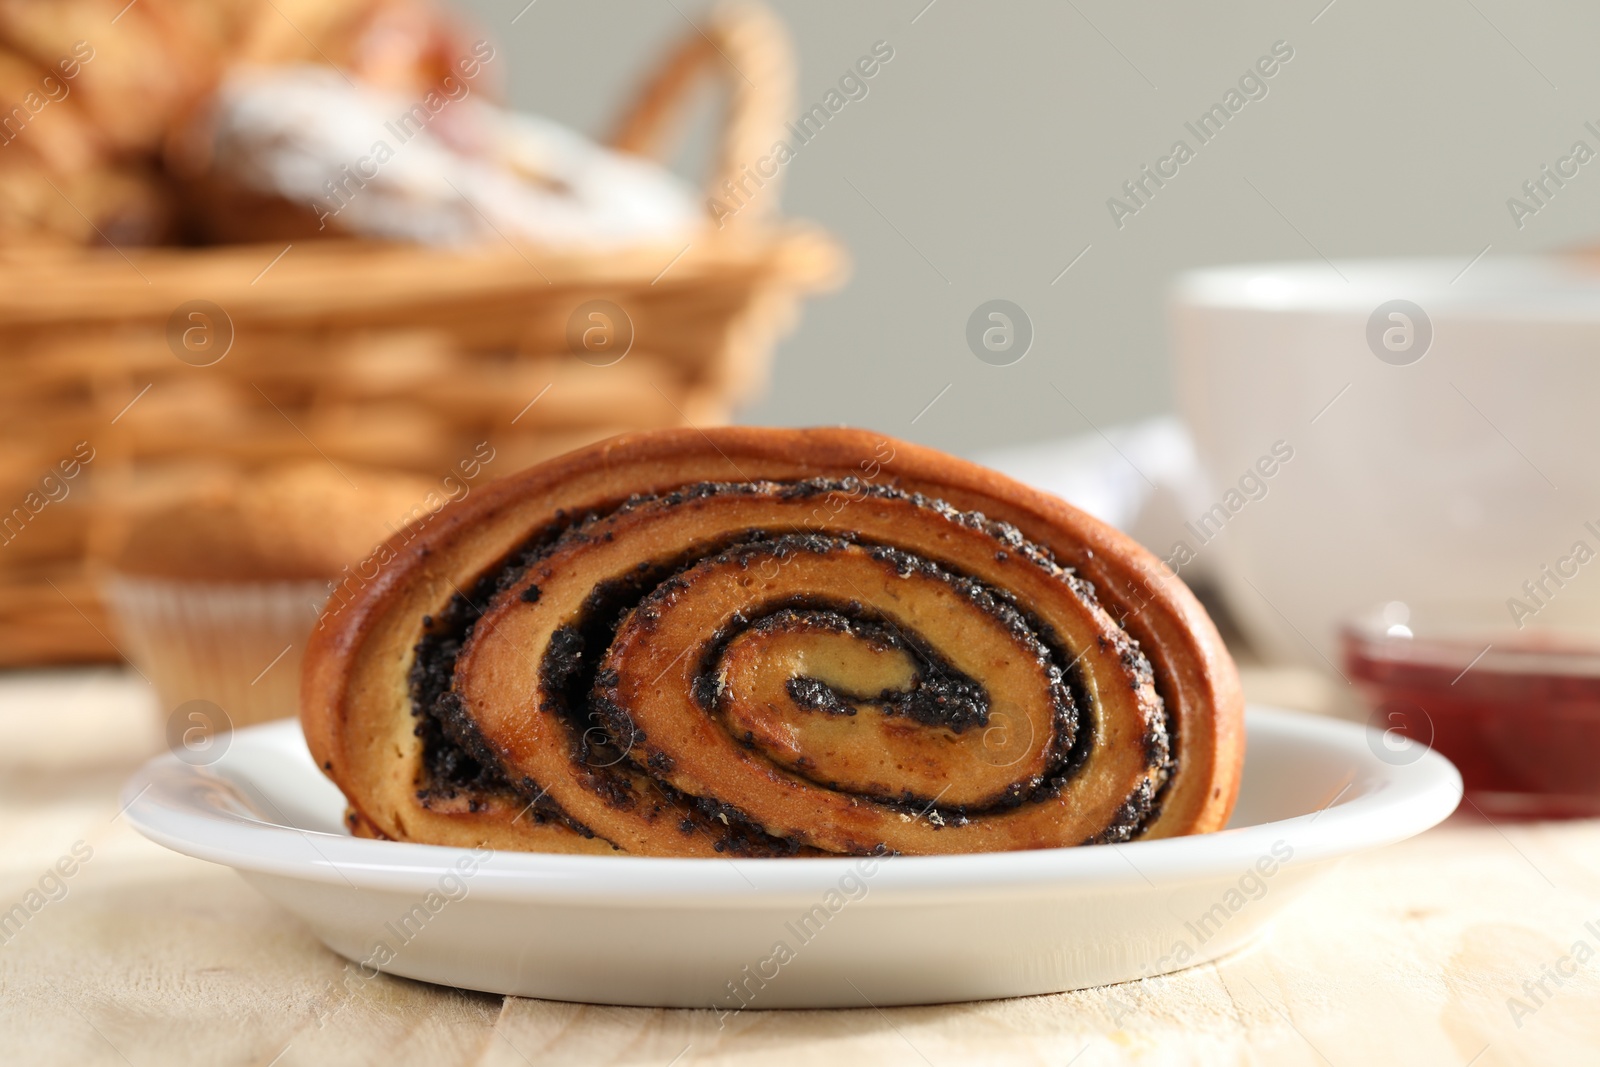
(746, 47)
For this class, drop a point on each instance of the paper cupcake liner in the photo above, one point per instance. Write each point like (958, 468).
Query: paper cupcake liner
(235, 644)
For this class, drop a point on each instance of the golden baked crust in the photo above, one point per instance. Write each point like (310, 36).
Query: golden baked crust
(293, 522)
(1159, 722)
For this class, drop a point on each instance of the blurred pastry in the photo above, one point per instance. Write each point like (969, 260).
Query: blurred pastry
(92, 93)
(213, 594)
(446, 168)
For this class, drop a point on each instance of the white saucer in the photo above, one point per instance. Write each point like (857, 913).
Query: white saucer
(813, 933)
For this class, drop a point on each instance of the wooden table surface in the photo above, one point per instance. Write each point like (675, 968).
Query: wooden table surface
(1432, 951)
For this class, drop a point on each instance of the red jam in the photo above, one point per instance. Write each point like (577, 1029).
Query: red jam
(1518, 713)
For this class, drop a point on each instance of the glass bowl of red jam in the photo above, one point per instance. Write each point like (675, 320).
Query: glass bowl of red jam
(1515, 707)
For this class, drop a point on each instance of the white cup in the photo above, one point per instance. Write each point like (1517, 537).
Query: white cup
(1443, 451)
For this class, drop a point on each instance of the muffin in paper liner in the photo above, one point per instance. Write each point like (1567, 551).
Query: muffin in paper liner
(214, 593)
(236, 645)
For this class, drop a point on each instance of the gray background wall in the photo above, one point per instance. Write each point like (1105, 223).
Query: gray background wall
(980, 162)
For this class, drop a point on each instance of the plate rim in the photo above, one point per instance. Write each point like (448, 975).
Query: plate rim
(1400, 801)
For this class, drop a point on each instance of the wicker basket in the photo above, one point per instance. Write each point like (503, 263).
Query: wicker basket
(175, 365)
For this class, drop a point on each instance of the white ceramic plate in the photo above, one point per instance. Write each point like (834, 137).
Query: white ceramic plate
(726, 934)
